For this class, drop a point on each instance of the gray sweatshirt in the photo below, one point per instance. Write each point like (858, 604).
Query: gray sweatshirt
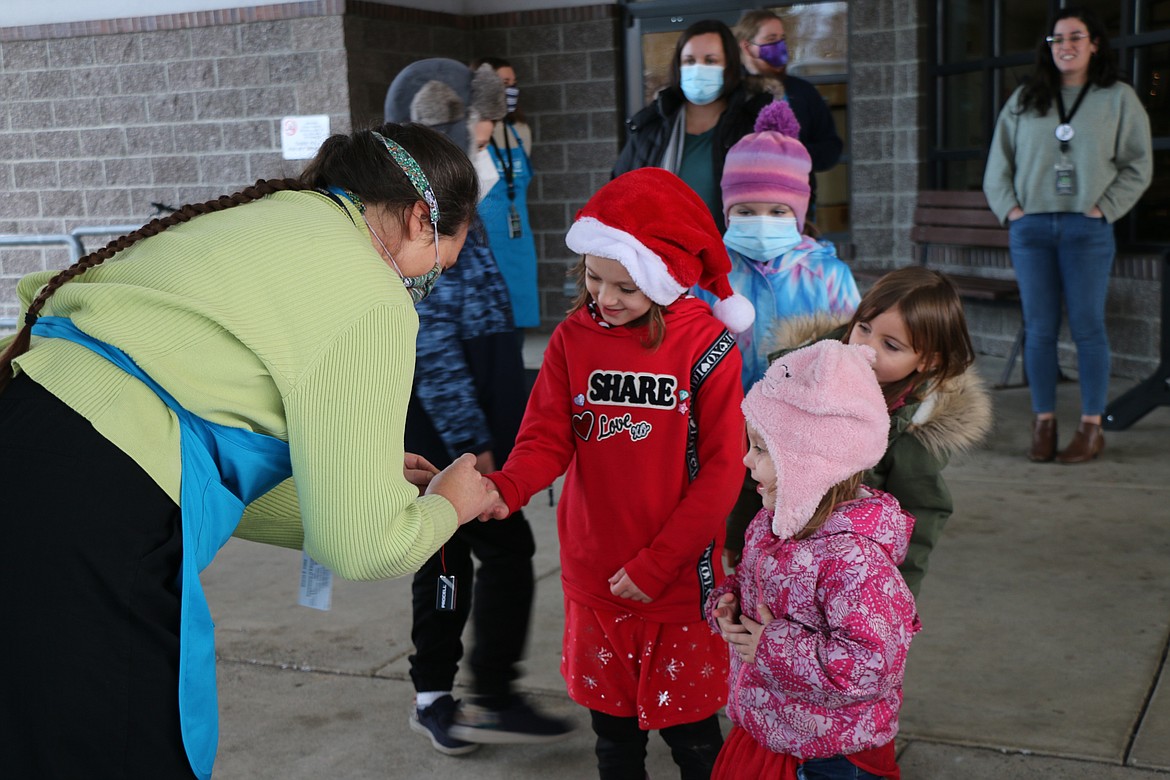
(1111, 152)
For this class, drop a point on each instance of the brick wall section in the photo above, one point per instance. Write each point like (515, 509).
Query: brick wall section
(381, 40)
(95, 127)
(102, 118)
(887, 116)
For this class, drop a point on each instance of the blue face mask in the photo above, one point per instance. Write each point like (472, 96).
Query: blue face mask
(761, 238)
(701, 83)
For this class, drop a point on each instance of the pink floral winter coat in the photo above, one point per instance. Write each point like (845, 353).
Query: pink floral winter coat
(827, 677)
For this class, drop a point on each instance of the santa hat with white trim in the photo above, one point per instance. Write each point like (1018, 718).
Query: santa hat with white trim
(661, 231)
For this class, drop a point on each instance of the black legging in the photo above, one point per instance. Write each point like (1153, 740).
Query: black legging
(621, 747)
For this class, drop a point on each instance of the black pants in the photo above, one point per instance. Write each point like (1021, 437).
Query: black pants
(91, 603)
(621, 747)
(500, 600)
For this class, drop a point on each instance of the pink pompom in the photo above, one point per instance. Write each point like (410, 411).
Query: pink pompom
(777, 116)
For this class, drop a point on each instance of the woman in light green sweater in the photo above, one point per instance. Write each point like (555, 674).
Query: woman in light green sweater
(180, 373)
(1071, 155)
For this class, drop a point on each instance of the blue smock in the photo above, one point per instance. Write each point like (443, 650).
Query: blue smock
(223, 469)
(516, 257)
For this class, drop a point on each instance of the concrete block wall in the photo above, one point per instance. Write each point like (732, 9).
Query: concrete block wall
(888, 117)
(99, 123)
(100, 119)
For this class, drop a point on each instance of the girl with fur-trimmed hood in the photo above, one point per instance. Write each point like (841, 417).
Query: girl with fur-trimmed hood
(914, 321)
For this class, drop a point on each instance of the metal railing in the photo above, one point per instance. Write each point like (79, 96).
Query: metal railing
(71, 240)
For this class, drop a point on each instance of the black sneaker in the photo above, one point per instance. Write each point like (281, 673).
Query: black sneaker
(517, 722)
(435, 721)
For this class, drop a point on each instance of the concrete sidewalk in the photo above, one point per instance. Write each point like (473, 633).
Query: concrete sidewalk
(1046, 617)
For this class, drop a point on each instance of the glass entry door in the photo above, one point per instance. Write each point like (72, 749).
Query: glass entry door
(817, 34)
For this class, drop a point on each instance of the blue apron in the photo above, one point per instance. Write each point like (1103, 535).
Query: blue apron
(223, 469)
(516, 257)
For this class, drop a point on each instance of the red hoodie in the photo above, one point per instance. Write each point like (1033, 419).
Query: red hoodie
(651, 443)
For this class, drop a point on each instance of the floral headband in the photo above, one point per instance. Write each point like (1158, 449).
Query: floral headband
(415, 173)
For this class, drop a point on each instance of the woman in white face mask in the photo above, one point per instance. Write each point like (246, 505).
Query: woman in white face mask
(694, 121)
(791, 279)
(504, 209)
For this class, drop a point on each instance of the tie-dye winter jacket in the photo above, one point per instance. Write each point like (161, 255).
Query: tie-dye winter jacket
(827, 676)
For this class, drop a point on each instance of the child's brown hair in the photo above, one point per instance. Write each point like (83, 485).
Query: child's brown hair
(933, 312)
(653, 319)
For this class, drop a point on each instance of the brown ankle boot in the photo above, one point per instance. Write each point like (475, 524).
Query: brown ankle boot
(1085, 446)
(1043, 440)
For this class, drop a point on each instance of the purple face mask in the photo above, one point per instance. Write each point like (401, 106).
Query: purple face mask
(775, 53)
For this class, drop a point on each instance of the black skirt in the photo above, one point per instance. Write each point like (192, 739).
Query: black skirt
(90, 603)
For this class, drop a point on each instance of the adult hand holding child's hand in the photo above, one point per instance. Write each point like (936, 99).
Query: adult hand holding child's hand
(469, 492)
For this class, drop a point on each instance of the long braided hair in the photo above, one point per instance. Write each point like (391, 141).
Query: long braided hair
(356, 162)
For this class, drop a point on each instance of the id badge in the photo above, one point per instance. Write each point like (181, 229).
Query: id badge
(445, 595)
(514, 229)
(1066, 178)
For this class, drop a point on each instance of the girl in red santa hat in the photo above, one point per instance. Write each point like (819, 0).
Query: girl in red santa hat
(637, 404)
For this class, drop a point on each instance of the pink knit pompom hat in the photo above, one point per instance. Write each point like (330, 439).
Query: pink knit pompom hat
(770, 165)
(823, 418)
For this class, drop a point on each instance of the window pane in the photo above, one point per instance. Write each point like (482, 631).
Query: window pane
(963, 114)
(965, 26)
(818, 37)
(1010, 78)
(1151, 216)
(1109, 12)
(1152, 15)
(963, 175)
(1152, 82)
(1025, 22)
(657, 52)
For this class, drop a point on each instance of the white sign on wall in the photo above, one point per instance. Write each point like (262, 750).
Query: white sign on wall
(301, 136)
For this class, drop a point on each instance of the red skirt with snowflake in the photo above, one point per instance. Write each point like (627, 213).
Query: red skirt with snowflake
(665, 674)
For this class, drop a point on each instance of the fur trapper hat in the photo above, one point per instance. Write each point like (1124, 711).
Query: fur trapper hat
(823, 418)
(652, 223)
(446, 95)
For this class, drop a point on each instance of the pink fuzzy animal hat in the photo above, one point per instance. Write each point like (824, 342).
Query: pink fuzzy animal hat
(823, 418)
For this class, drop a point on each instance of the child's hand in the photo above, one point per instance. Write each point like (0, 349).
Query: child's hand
(418, 471)
(744, 645)
(498, 510)
(622, 586)
(727, 616)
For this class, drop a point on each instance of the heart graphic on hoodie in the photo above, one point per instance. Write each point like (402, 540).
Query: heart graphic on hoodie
(583, 424)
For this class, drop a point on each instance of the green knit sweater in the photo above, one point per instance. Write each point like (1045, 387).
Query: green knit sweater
(277, 316)
(1111, 152)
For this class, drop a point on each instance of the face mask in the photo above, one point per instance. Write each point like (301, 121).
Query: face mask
(775, 53)
(761, 238)
(512, 98)
(485, 169)
(419, 286)
(701, 83)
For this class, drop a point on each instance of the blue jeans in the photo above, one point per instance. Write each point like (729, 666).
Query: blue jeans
(1064, 258)
(835, 768)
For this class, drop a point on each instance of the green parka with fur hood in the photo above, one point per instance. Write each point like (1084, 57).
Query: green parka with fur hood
(925, 433)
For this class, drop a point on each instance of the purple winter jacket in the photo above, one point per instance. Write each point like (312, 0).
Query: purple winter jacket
(827, 677)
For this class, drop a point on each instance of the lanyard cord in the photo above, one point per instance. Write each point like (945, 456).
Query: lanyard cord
(507, 163)
(1066, 119)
